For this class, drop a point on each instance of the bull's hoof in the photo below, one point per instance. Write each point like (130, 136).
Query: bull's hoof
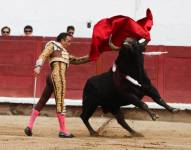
(137, 134)
(154, 116)
(94, 134)
(28, 131)
(175, 110)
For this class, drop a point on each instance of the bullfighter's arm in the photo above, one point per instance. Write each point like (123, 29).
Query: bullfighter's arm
(78, 60)
(44, 55)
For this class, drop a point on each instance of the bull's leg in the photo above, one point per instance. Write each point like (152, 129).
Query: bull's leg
(121, 120)
(89, 106)
(165, 105)
(132, 99)
(87, 112)
(145, 107)
(152, 92)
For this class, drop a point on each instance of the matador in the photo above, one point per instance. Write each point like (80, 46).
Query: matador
(59, 60)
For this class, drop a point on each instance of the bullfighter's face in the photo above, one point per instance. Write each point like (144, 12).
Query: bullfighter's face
(66, 42)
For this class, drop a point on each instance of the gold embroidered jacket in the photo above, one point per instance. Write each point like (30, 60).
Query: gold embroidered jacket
(55, 52)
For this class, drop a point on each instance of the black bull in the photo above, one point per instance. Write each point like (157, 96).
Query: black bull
(111, 90)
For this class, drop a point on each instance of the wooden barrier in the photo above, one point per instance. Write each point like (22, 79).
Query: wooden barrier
(170, 73)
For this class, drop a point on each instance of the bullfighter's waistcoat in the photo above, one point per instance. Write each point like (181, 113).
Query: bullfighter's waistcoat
(54, 51)
(59, 54)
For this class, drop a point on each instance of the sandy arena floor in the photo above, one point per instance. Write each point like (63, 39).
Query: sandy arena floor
(157, 135)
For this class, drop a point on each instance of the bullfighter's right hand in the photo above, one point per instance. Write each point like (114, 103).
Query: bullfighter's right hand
(37, 70)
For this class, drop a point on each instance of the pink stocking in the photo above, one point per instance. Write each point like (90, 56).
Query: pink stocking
(33, 116)
(61, 119)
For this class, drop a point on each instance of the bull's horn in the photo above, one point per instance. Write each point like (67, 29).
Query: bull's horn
(144, 43)
(111, 45)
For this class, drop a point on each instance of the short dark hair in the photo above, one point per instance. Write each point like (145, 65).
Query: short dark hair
(5, 27)
(61, 36)
(28, 27)
(70, 28)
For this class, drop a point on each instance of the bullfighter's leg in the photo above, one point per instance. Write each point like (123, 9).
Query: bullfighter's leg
(133, 99)
(121, 120)
(48, 90)
(59, 84)
(89, 106)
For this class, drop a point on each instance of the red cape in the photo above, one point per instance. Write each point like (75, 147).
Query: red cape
(120, 27)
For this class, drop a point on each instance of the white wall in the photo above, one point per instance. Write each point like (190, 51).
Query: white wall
(172, 18)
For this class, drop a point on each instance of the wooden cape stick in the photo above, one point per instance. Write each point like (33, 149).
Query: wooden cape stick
(34, 91)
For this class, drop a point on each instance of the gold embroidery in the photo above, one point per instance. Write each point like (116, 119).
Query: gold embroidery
(59, 82)
(63, 58)
(45, 54)
(59, 59)
(49, 49)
